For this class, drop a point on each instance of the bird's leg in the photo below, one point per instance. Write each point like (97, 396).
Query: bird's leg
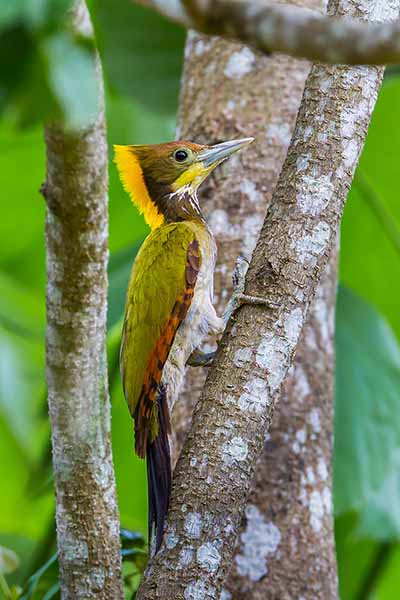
(238, 297)
(201, 359)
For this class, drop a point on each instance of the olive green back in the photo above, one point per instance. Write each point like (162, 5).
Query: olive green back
(157, 279)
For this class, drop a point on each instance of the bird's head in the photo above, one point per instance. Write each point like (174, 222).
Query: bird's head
(162, 179)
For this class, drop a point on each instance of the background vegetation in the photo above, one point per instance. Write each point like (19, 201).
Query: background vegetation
(49, 72)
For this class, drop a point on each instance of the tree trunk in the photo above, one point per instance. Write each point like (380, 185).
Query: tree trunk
(216, 104)
(76, 366)
(286, 548)
(271, 94)
(214, 472)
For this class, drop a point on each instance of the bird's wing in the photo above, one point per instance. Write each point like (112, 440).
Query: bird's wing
(160, 291)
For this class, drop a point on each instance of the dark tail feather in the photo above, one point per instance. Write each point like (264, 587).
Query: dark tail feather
(159, 472)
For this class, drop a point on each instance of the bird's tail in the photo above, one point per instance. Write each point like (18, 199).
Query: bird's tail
(159, 472)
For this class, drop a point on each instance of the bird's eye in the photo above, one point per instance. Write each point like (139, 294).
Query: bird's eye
(181, 155)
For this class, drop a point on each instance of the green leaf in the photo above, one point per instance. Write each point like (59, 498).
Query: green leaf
(37, 14)
(367, 429)
(27, 32)
(72, 75)
(388, 582)
(355, 556)
(17, 45)
(9, 561)
(45, 14)
(24, 547)
(35, 100)
(9, 13)
(370, 263)
(142, 53)
(44, 582)
(53, 592)
(134, 560)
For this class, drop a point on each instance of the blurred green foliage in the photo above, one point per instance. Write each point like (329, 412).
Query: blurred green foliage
(48, 69)
(367, 425)
(367, 456)
(146, 65)
(49, 72)
(44, 584)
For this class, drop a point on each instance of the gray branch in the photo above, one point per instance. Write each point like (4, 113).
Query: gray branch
(292, 30)
(76, 367)
(214, 472)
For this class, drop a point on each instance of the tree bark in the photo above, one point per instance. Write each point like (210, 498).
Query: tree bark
(286, 547)
(76, 366)
(215, 108)
(274, 27)
(262, 102)
(213, 474)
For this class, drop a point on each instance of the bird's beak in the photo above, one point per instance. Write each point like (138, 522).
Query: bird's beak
(214, 155)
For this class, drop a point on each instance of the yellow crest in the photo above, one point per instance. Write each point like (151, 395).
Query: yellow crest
(131, 175)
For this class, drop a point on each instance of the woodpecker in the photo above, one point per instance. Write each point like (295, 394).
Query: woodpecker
(169, 306)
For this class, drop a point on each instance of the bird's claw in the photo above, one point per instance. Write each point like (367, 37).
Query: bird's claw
(201, 359)
(238, 297)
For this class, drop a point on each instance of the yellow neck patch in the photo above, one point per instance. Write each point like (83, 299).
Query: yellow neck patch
(131, 175)
(193, 176)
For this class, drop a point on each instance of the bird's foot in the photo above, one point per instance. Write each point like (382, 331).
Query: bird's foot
(201, 359)
(238, 297)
